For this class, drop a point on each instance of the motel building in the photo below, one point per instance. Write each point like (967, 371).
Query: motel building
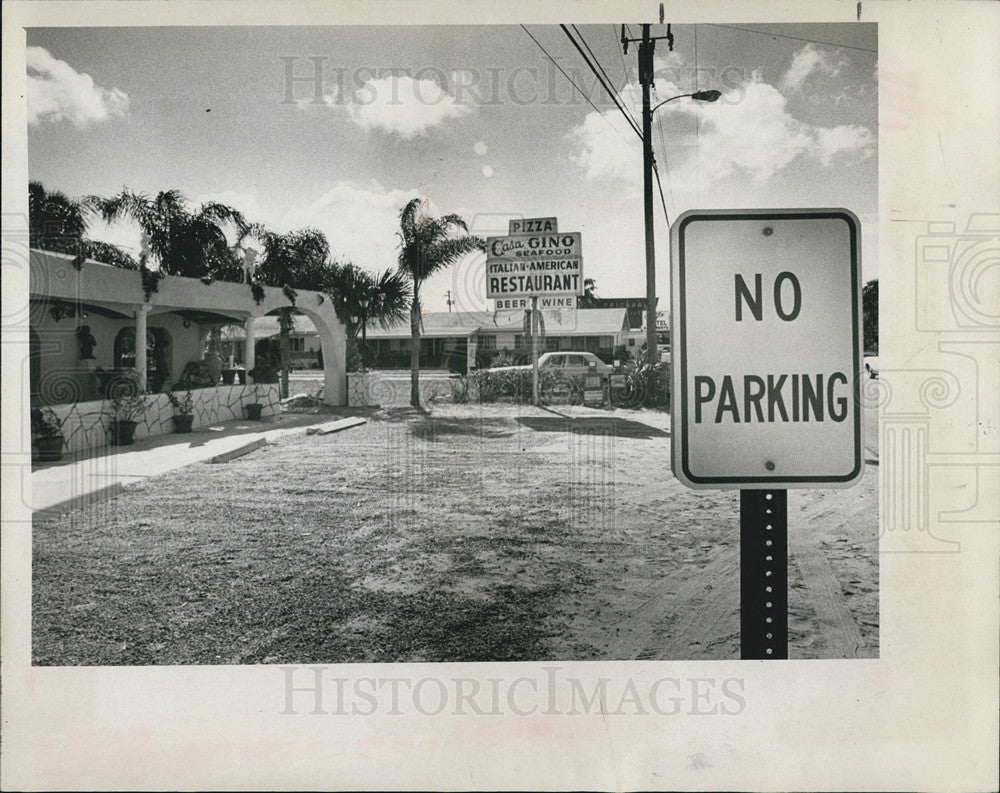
(93, 329)
(460, 341)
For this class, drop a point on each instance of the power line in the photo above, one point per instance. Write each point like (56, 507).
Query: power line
(600, 66)
(560, 68)
(607, 77)
(621, 52)
(663, 203)
(794, 38)
(604, 83)
(666, 165)
(611, 92)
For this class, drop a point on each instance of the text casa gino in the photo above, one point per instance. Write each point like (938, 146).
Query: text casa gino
(533, 265)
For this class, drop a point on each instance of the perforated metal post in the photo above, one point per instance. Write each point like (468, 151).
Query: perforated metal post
(763, 574)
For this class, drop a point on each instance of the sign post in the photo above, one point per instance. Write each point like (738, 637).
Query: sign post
(535, 333)
(765, 327)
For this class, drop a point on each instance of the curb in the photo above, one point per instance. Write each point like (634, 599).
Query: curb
(239, 451)
(102, 494)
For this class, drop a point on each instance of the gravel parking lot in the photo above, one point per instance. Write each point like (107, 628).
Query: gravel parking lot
(470, 532)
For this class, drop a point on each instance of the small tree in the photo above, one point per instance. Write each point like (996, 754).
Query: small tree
(589, 297)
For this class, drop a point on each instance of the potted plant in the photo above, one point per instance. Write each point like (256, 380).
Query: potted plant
(184, 417)
(241, 376)
(126, 411)
(228, 376)
(253, 410)
(46, 431)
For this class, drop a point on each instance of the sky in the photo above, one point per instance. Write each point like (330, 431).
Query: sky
(476, 119)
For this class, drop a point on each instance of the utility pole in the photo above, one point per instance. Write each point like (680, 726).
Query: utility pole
(646, 47)
(449, 300)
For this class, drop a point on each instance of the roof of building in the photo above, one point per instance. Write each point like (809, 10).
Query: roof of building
(264, 327)
(449, 324)
(559, 322)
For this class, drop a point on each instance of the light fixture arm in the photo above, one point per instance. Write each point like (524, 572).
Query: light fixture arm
(700, 96)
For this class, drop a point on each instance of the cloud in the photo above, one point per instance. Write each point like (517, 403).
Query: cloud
(755, 137)
(359, 220)
(247, 204)
(806, 62)
(403, 106)
(57, 92)
(122, 233)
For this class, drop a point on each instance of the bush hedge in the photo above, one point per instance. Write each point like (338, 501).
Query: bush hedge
(514, 385)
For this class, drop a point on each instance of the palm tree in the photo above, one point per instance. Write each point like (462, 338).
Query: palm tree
(58, 223)
(389, 296)
(589, 297)
(428, 244)
(360, 298)
(55, 222)
(189, 243)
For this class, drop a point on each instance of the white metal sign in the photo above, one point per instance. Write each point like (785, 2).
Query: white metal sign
(766, 335)
(534, 265)
(545, 302)
(532, 226)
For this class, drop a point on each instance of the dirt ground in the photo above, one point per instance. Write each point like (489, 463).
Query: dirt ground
(472, 532)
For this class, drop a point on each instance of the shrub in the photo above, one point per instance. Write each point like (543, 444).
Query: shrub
(650, 384)
(515, 385)
(183, 406)
(127, 407)
(460, 390)
(45, 423)
(267, 363)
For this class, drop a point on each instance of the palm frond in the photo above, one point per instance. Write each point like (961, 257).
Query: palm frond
(451, 250)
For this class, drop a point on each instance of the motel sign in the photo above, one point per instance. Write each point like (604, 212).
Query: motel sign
(767, 349)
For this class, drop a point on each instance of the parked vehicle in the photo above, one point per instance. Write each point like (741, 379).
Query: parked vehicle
(566, 363)
(871, 366)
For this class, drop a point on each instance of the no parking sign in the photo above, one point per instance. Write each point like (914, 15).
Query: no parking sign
(766, 336)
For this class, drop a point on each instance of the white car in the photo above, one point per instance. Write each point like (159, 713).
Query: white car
(568, 363)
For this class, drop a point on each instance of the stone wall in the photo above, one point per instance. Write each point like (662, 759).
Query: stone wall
(370, 389)
(85, 424)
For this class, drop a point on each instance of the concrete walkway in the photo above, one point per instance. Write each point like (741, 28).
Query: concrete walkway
(80, 479)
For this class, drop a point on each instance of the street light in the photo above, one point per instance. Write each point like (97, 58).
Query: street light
(647, 183)
(700, 96)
